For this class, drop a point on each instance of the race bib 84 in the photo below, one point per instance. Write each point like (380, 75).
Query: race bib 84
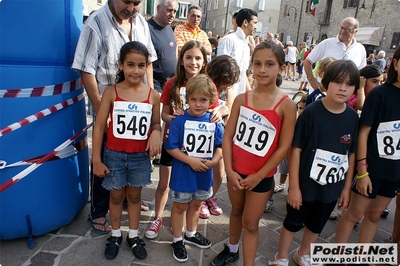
(388, 138)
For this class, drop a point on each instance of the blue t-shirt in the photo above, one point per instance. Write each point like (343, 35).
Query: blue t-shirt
(183, 177)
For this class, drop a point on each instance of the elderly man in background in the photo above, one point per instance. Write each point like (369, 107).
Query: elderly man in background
(380, 61)
(343, 46)
(191, 30)
(164, 42)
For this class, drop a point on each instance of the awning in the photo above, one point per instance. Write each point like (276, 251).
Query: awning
(370, 35)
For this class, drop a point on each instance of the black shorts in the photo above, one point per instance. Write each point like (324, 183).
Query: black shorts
(313, 214)
(265, 185)
(386, 189)
(166, 158)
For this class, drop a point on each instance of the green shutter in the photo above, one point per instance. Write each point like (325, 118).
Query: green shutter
(150, 7)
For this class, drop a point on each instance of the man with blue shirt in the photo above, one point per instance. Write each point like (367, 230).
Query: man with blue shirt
(164, 43)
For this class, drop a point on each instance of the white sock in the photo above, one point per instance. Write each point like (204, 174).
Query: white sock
(233, 248)
(176, 239)
(133, 233)
(190, 234)
(116, 233)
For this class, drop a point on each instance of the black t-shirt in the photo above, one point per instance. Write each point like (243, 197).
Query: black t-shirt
(381, 112)
(324, 137)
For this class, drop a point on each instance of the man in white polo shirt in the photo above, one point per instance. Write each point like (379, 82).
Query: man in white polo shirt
(343, 46)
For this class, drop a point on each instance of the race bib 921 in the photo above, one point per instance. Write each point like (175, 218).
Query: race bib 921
(198, 139)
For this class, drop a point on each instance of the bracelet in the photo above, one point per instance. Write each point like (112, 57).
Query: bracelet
(361, 164)
(361, 159)
(362, 176)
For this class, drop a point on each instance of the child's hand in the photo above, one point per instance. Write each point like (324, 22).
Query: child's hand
(364, 186)
(294, 198)
(250, 182)
(234, 181)
(178, 112)
(154, 143)
(209, 163)
(362, 83)
(198, 165)
(215, 116)
(100, 169)
(344, 199)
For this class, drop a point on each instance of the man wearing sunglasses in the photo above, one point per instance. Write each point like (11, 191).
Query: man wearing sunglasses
(343, 46)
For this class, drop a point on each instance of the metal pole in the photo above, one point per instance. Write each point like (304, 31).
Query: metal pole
(298, 28)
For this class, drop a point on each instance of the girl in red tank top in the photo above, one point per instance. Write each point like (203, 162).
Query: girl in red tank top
(257, 137)
(133, 136)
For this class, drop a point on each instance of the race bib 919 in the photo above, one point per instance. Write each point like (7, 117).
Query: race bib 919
(131, 120)
(198, 139)
(328, 167)
(388, 138)
(254, 133)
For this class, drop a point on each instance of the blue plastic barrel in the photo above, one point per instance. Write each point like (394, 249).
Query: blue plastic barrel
(37, 50)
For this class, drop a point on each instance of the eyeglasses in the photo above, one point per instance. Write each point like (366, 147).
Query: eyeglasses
(347, 29)
(195, 16)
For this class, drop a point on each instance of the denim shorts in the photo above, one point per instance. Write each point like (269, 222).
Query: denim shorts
(185, 197)
(126, 169)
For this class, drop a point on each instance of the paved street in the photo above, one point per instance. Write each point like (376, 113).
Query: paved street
(77, 244)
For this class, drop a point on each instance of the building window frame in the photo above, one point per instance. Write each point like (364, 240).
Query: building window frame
(395, 40)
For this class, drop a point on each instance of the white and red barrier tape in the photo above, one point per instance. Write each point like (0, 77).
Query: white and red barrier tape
(41, 114)
(42, 160)
(65, 153)
(42, 91)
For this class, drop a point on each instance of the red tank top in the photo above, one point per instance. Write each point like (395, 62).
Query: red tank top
(125, 145)
(247, 163)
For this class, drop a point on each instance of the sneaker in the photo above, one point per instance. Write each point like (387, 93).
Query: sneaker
(225, 257)
(302, 260)
(213, 207)
(269, 206)
(204, 211)
(179, 251)
(137, 246)
(153, 228)
(279, 262)
(112, 247)
(279, 187)
(334, 214)
(389, 240)
(198, 240)
(385, 213)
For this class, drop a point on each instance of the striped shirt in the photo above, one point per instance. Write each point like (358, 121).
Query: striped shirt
(100, 42)
(183, 34)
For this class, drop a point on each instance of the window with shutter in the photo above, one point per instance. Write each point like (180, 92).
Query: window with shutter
(395, 40)
(149, 7)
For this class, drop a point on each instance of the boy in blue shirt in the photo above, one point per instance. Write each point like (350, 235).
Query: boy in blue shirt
(195, 144)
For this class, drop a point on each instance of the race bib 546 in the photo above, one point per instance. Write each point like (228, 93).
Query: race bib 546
(131, 120)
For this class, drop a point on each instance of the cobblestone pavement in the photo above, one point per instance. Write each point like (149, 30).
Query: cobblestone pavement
(78, 244)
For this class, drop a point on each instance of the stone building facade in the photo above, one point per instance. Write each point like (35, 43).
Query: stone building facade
(217, 15)
(378, 19)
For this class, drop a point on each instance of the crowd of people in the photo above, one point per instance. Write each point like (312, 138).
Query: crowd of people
(186, 95)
